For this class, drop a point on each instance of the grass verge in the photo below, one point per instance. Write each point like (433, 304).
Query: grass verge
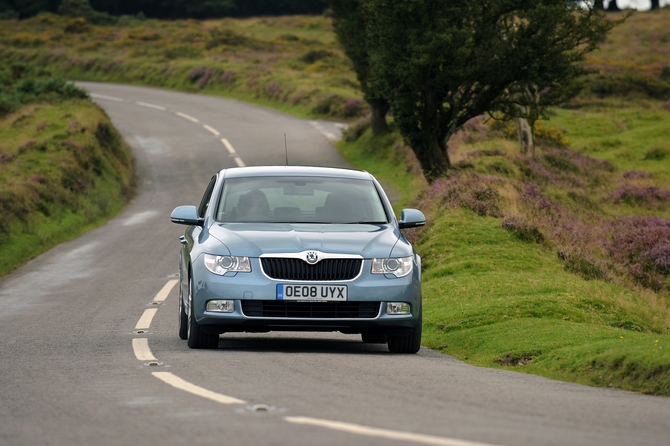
(65, 170)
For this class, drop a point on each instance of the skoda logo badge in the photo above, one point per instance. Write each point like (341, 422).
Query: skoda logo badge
(311, 258)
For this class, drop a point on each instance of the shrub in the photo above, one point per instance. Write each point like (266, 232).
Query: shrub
(649, 196)
(273, 89)
(475, 192)
(635, 174)
(549, 135)
(356, 130)
(523, 230)
(315, 55)
(330, 105)
(76, 26)
(228, 37)
(352, 108)
(201, 75)
(624, 84)
(227, 76)
(582, 264)
(642, 244)
(656, 154)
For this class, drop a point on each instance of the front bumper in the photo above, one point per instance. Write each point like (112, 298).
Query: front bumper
(366, 288)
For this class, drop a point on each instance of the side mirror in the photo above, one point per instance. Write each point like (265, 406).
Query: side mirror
(186, 215)
(411, 218)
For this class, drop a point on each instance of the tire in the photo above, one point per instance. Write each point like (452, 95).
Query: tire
(183, 317)
(194, 336)
(407, 344)
(374, 338)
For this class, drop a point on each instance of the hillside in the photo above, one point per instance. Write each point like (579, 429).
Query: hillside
(556, 264)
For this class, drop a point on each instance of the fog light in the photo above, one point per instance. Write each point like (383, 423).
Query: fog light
(221, 306)
(397, 308)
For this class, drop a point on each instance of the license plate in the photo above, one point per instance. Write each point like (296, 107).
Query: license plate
(324, 293)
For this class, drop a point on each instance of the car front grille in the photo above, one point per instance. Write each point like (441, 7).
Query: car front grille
(310, 310)
(298, 269)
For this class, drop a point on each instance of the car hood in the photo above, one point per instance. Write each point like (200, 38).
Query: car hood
(252, 240)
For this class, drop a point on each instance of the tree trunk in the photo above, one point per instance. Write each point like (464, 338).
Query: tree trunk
(434, 161)
(379, 108)
(524, 135)
(655, 4)
(612, 6)
(600, 4)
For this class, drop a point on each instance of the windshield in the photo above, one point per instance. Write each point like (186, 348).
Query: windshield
(300, 200)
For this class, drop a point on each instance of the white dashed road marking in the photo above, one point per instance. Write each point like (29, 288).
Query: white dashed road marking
(108, 98)
(141, 350)
(213, 130)
(383, 433)
(157, 107)
(182, 115)
(228, 146)
(163, 293)
(145, 321)
(180, 384)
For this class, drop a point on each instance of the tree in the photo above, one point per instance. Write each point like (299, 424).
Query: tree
(440, 63)
(349, 25)
(655, 4)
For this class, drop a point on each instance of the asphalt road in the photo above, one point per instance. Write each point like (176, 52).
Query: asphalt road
(90, 352)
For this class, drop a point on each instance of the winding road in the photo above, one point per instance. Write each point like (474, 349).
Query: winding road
(90, 352)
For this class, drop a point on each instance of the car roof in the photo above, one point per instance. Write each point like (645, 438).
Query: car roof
(312, 171)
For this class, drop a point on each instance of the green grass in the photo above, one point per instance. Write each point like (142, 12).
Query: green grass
(289, 63)
(626, 132)
(65, 170)
(490, 298)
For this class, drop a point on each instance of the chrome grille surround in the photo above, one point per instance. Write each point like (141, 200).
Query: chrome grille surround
(295, 267)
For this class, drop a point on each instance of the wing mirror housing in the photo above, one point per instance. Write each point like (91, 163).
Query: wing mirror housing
(186, 215)
(411, 218)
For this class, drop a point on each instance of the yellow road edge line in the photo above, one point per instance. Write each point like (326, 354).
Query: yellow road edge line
(186, 386)
(228, 146)
(145, 321)
(182, 115)
(211, 129)
(141, 349)
(383, 433)
(163, 293)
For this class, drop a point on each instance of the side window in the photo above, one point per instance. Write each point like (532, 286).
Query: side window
(204, 203)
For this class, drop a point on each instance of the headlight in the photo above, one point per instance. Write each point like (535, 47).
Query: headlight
(399, 267)
(223, 264)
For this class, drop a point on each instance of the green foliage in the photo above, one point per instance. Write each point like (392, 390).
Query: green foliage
(457, 60)
(350, 25)
(22, 84)
(63, 170)
(82, 9)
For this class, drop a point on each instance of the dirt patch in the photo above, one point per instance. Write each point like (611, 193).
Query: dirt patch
(510, 360)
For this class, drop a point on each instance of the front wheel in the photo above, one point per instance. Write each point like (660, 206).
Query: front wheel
(407, 344)
(183, 317)
(194, 336)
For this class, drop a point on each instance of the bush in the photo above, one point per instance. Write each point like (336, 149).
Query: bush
(24, 83)
(76, 26)
(650, 197)
(642, 244)
(522, 230)
(624, 84)
(582, 265)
